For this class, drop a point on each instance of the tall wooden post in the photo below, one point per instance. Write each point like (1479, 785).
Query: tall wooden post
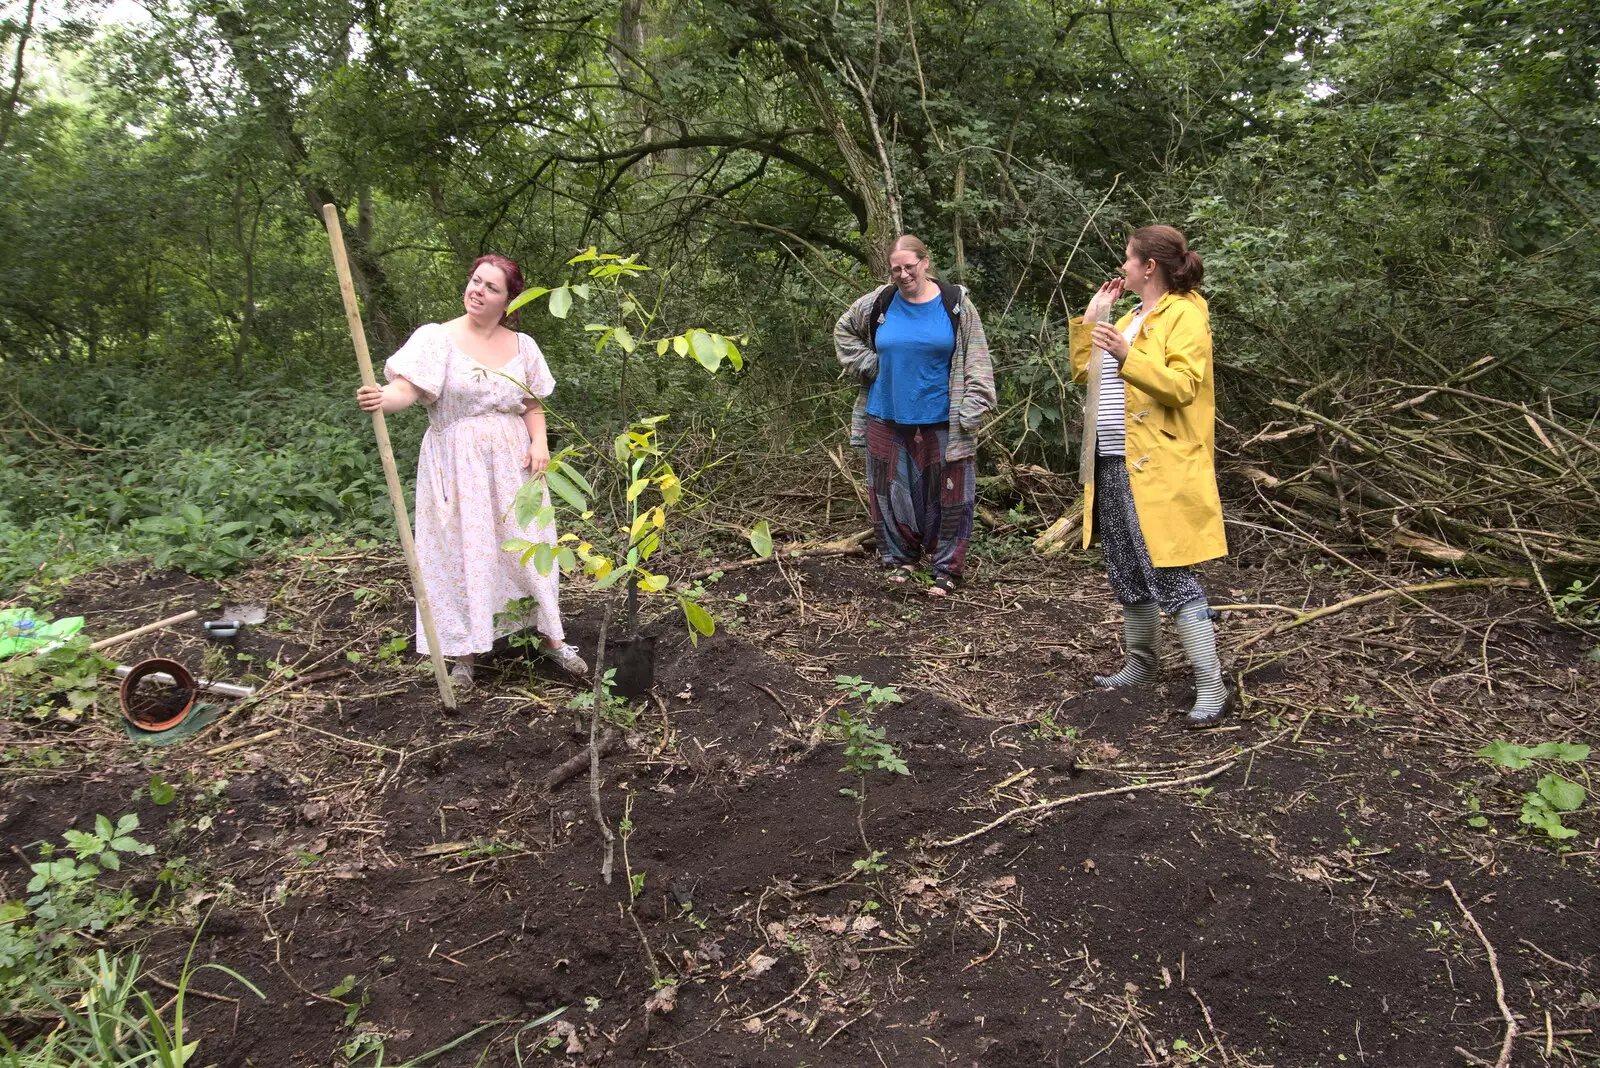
(391, 474)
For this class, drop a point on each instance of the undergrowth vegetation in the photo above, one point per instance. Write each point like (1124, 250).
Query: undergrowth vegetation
(199, 475)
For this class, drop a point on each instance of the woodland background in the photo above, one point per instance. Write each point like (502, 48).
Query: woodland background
(1387, 195)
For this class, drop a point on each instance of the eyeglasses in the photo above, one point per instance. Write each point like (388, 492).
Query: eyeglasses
(908, 269)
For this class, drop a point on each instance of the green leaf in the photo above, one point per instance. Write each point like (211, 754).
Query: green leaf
(582, 290)
(735, 357)
(661, 350)
(1506, 754)
(161, 791)
(619, 448)
(705, 350)
(653, 584)
(1536, 812)
(680, 345)
(526, 504)
(1569, 752)
(560, 302)
(571, 472)
(103, 828)
(544, 558)
(1564, 795)
(563, 488)
(565, 559)
(611, 577)
(625, 339)
(638, 487)
(698, 618)
(524, 297)
(761, 539)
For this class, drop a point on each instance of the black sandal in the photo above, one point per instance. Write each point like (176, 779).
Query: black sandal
(943, 586)
(899, 574)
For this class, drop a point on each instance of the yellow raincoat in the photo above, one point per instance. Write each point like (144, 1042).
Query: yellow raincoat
(1171, 417)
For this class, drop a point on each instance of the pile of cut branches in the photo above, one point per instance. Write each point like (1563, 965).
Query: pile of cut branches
(1453, 477)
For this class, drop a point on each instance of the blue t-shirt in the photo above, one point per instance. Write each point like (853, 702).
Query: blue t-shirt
(915, 343)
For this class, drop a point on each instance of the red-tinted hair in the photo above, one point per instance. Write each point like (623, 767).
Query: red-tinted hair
(509, 268)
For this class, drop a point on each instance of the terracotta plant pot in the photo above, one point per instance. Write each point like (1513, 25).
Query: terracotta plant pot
(147, 710)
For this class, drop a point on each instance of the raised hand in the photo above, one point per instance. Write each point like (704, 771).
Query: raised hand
(1100, 305)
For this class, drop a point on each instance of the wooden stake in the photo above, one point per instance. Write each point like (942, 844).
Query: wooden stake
(181, 617)
(391, 475)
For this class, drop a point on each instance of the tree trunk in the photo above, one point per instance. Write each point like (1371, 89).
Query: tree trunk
(863, 176)
(16, 76)
(247, 257)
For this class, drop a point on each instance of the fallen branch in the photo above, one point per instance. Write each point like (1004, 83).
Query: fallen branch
(1380, 595)
(242, 742)
(1499, 984)
(839, 547)
(1046, 806)
(1058, 537)
(850, 477)
(569, 768)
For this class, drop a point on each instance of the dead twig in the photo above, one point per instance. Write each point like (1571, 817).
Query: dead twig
(1210, 1026)
(1380, 595)
(1499, 984)
(841, 547)
(1046, 806)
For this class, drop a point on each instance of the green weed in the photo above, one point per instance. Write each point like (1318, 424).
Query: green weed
(1554, 795)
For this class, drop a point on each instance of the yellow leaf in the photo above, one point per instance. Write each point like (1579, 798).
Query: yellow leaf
(671, 488)
(638, 487)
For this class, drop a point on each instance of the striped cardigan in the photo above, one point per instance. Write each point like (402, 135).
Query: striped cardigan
(971, 373)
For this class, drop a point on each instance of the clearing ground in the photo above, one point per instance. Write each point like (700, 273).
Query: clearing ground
(1292, 902)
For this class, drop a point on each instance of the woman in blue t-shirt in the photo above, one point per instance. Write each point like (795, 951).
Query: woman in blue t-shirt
(919, 349)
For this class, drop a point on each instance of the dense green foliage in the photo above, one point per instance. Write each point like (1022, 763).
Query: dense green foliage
(1393, 189)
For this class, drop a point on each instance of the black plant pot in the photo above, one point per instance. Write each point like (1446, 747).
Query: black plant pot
(635, 662)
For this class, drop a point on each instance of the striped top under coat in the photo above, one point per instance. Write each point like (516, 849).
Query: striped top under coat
(1111, 435)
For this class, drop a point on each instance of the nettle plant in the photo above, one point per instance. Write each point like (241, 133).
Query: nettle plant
(615, 534)
(1553, 795)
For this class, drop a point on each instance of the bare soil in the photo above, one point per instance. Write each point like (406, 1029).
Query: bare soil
(1290, 908)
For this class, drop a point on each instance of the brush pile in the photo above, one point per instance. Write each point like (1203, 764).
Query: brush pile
(1453, 477)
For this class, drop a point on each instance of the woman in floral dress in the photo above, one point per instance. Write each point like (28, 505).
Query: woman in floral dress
(485, 439)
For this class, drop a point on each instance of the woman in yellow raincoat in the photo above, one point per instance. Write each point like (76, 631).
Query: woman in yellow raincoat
(1148, 459)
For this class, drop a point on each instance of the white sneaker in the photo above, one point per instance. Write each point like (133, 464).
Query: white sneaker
(566, 658)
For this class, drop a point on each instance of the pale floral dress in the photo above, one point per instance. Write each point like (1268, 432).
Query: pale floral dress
(468, 473)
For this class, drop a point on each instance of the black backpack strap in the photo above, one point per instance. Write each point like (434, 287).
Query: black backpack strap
(950, 294)
(880, 305)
